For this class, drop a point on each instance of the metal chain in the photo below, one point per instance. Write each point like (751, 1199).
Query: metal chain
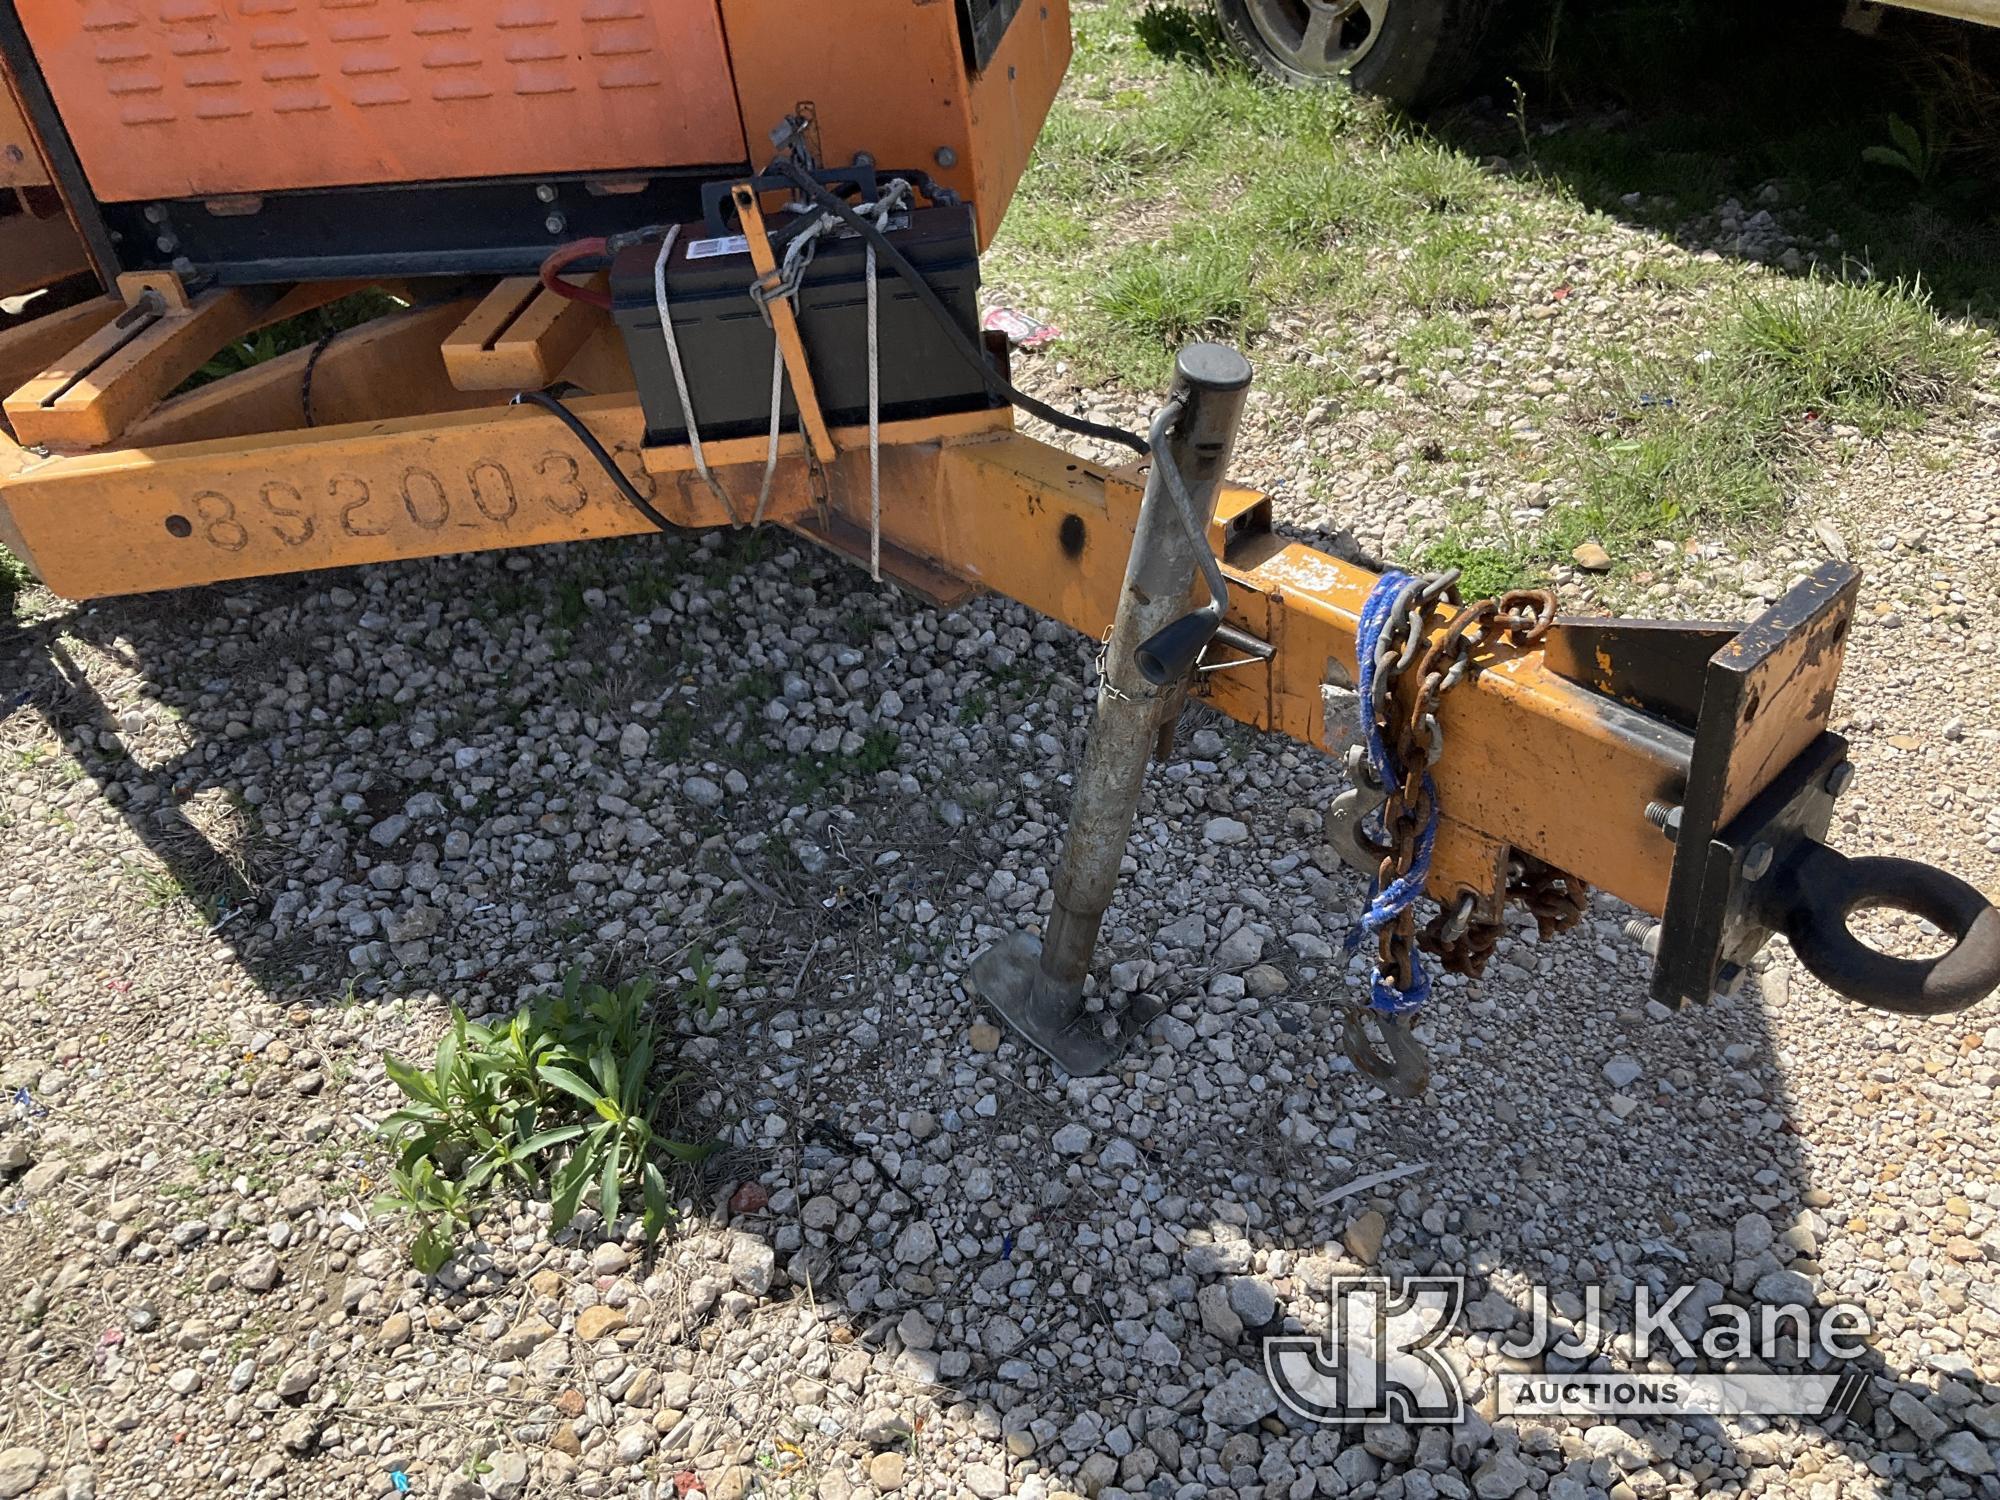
(1518, 618)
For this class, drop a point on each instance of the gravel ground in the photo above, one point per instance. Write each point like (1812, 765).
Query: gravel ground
(257, 835)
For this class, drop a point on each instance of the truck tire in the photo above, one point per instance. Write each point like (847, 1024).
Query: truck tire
(1406, 51)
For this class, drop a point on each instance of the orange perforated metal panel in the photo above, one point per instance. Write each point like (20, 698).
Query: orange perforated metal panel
(972, 132)
(198, 98)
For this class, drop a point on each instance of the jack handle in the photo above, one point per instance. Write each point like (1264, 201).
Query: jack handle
(1170, 653)
(1818, 888)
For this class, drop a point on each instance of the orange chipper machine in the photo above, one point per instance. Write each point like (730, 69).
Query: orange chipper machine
(695, 263)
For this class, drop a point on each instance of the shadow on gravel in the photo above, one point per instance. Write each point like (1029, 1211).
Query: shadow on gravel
(1765, 132)
(187, 814)
(1572, 1140)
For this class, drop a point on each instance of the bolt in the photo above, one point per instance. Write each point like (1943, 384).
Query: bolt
(946, 157)
(864, 160)
(1646, 933)
(1757, 860)
(16, 155)
(546, 192)
(555, 223)
(1837, 779)
(156, 213)
(1665, 816)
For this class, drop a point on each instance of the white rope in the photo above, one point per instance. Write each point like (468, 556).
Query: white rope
(798, 255)
(680, 375)
(874, 431)
(771, 452)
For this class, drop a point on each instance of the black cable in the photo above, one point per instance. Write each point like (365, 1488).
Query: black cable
(306, 380)
(967, 350)
(596, 450)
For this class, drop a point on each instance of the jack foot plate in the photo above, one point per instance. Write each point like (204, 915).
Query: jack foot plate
(1009, 977)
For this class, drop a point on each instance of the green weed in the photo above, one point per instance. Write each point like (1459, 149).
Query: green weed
(1915, 152)
(563, 1093)
(1708, 440)
(1663, 471)
(14, 578)
(1448, 269)
(1185, 33)
(876, 754)
(568, 610)
(1437, 179)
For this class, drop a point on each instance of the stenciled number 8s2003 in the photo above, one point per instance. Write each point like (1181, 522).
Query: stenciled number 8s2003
(292, 515)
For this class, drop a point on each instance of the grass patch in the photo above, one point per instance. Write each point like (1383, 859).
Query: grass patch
(1709, 441)
(1264, 196)
(1435, 335)
(1672, 478)
(1871, 355)
(1195, 286)
(1437, 180)
(1448, 269)
(1188, 33)
(1487, 569)
(1175, 196)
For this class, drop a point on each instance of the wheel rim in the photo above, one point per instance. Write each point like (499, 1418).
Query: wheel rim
(1323, 38)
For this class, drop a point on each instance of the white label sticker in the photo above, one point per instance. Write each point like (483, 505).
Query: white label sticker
(736, 244)
(731, 244)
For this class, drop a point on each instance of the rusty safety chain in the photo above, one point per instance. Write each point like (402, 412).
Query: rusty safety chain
(1415, 740)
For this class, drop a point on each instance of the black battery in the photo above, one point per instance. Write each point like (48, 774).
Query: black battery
(726, 344)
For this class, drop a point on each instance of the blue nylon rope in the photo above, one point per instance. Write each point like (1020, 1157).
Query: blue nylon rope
(1385, 905)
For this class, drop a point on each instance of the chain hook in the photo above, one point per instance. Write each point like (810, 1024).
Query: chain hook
(1406, 1071)
(1413, 737)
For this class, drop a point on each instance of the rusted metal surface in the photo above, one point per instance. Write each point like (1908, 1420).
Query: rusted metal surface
(1767, 695)
(1414, 663)
(1655, 666)
(1539, 763)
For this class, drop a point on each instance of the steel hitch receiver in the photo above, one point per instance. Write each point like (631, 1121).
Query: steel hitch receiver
(1037, 986)
(1749, 856)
